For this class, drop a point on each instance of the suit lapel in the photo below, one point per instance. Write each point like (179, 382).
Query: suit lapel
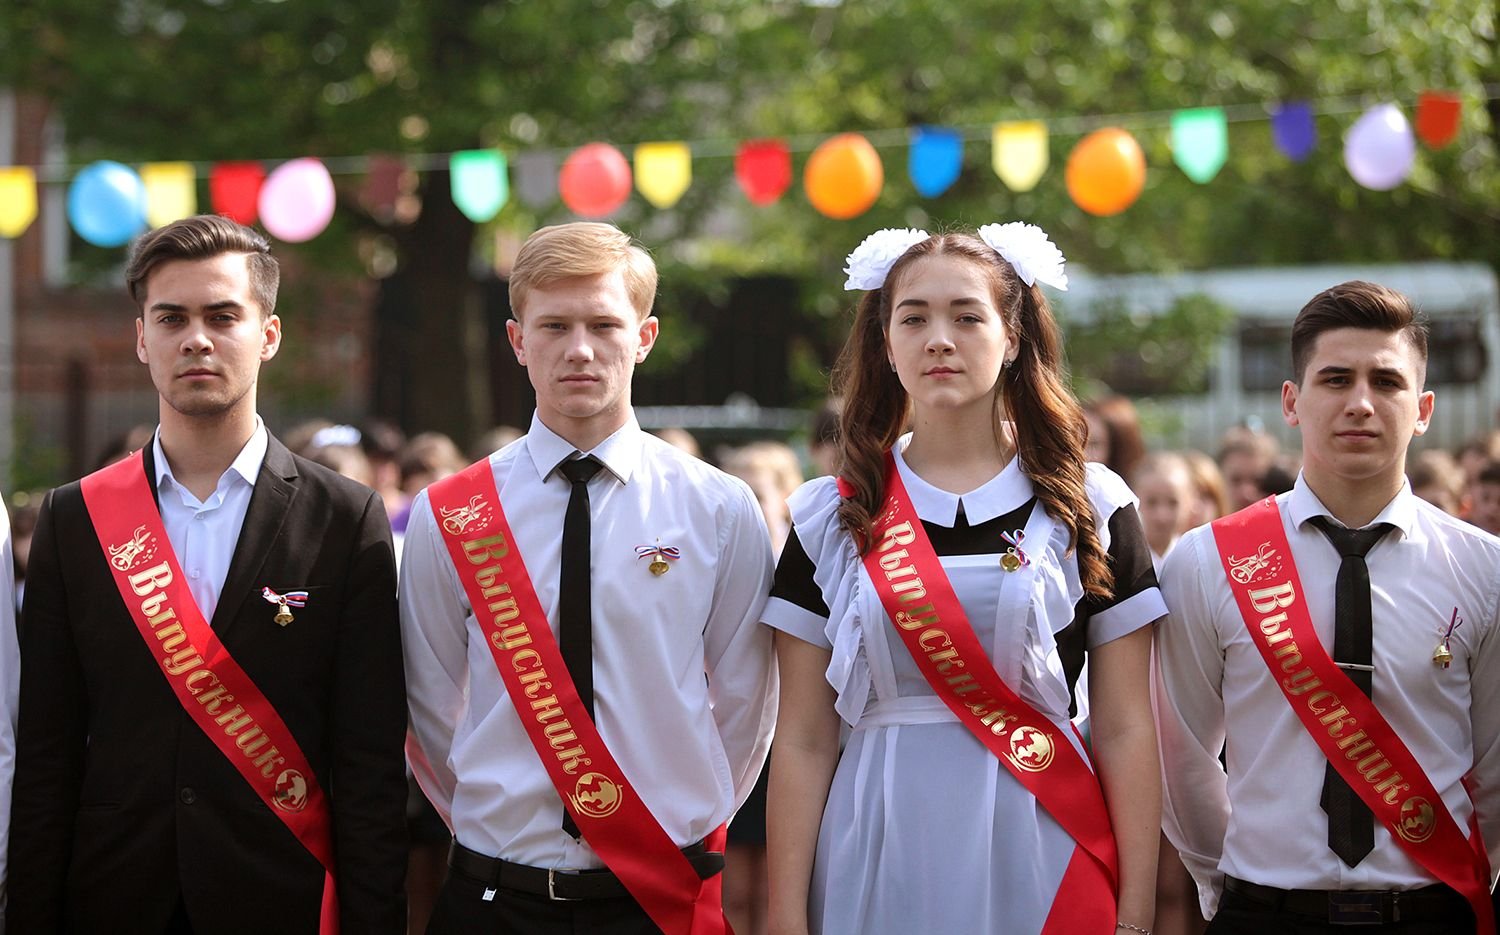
(270, 504)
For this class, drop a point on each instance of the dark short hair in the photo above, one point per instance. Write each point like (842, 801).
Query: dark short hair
(200, 238)
(1356, 304)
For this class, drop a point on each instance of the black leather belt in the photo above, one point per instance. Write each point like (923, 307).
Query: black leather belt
(1357, 907)
(500, 874)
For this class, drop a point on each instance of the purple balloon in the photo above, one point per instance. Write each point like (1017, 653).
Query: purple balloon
(1293, 130)
(1380, 148)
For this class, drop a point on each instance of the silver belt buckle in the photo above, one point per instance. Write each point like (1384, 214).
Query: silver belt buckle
(552, 890)
(1356, 907)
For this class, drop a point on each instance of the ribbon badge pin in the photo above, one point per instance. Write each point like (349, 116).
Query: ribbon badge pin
(1443, 655)
(1015, 557)
(284, 603)
(659, 554)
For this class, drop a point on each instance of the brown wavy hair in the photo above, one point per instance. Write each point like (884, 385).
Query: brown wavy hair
(1049, 424)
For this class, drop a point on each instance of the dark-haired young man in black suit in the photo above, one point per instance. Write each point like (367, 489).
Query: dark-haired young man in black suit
(212, 699)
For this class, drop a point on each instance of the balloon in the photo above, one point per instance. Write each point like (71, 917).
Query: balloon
(843, 176)
(234, 189)
(1106, 172)
(297, 201)
(595, 180)
(764, 170)
(107, 204)
(1380, 149)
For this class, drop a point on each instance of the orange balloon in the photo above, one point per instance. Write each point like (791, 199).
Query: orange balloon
(1106, 172)
(843, 176)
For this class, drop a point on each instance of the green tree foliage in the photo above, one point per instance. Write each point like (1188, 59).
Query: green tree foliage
(218, 79)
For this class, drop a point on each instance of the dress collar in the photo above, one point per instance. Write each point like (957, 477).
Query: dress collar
(620, 453)
(1009, 490)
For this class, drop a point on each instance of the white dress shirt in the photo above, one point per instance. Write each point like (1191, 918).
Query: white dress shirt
(684, 691)
(1263, 823)
(203, 533)
(10, 685)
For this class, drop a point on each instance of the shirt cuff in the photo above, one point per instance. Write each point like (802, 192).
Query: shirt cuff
(1126, 617)
(783, 615)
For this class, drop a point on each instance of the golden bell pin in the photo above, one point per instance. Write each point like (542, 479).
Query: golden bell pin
(659, 554)
(1442, 655)
(1015, 557)
(284, 603)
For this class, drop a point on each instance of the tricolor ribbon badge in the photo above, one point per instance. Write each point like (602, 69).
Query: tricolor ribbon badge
(658, 554)
(284, 603)
(1015, 557)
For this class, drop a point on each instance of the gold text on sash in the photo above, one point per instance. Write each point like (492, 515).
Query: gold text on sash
(184, 664)
(934, 641)
(500, 618)
(1299, 682)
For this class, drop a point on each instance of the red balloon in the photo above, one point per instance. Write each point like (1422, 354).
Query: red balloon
(234, 189)
(764, 170)
(1437, 117)
(595, 180)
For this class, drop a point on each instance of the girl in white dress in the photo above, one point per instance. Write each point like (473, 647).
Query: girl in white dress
(917, 827)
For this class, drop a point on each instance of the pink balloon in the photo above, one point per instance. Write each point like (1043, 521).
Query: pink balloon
(296, 201)
(1379, 149)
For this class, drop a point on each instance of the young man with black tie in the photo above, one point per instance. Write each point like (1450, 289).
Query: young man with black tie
(211, 684)
(1345, 637)
(591, 693)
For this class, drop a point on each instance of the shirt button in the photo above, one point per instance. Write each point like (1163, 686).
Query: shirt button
(187, 795)
(199, 515)
(195, 574)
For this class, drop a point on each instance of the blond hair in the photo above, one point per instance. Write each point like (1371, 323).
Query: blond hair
(582, 248)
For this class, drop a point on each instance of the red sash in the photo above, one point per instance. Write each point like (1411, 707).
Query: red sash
(609, 814)
(1347, 727)
(216, 693)
(931, 622)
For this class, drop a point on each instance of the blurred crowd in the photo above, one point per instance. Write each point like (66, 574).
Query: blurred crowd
(1177, 490)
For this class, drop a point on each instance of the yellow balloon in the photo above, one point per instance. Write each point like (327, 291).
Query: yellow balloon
(843, 176)
(17, 200)
(1106, 172)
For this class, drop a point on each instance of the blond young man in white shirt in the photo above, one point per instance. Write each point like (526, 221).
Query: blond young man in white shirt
(682, 674)
(1257, 839)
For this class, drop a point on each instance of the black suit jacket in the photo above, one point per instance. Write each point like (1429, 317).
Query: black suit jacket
(122, 805)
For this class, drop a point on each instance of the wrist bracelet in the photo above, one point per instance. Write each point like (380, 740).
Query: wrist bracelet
(1133, 928)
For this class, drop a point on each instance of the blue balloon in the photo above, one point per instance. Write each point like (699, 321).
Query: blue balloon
(935, 159)
(107, 204)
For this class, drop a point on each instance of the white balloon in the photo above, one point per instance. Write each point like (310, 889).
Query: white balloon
(1379, 149)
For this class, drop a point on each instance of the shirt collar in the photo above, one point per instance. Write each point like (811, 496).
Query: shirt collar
(1302, 505)
(620, 453)
(1006, 491)
(246, 464)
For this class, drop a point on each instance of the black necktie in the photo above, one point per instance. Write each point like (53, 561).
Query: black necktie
(575, 615)
(1351, 826)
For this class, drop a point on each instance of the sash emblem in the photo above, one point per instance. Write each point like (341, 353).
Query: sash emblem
(460, 518)
(133, 552)
(1030, 749)
(1418, 820)
(596, 795)
(291, 791)
(1257, 566)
